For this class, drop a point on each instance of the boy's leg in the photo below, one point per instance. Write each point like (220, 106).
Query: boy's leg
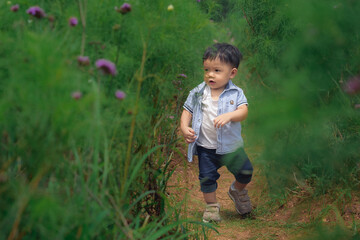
(208, 172)
(208, 175)
(240, 166)
(210, 197)
(239, 186)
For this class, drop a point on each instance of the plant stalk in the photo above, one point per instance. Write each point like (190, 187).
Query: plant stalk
(140, 79)
(82, 10)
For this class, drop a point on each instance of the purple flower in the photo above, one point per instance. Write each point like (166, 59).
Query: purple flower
(73, 21)
(36, 12)
(125, 8)
(120, 95)
(15, 8)
(171, 117)
(198, 0)
(76, 95)
(106, 66)
(182, 75)
(352, 86)
(83, 60)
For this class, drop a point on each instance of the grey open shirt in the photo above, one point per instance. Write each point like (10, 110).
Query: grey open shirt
(229, 136)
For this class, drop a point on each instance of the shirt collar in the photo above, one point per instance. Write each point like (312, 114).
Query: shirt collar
(229, 86)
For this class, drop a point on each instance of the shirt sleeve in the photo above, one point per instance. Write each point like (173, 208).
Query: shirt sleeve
(189, 103)
(241, 99)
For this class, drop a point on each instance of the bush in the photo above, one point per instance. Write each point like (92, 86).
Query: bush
(299, 57)
(85, 154)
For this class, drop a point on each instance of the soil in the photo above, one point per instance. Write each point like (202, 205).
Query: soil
(291, 218)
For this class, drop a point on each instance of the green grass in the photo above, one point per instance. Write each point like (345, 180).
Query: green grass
(97, 167)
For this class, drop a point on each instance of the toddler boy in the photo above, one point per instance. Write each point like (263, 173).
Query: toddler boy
(215, 109)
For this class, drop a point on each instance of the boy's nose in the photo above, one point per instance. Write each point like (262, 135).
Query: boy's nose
(210, 74)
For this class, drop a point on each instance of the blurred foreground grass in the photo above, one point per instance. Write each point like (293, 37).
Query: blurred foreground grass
(80, 161)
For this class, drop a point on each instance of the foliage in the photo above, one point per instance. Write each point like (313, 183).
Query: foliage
(335, 233)
(299, 58)
(78, 160)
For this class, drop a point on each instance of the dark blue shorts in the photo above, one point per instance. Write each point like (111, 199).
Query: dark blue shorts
(237, 163)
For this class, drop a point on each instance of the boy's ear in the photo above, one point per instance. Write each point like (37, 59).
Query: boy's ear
(233, 72)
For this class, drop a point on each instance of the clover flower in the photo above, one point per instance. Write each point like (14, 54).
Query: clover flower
(73, 21)
(106, 66)
(182, 75)
(120, 95)
(36, 12)
(15, 8)
(352, 86)
(170, 8)
(125, 8)
(83, 60)
(76, 95)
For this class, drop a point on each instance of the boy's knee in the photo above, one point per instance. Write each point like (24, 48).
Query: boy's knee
(243, 178)
(240, 166)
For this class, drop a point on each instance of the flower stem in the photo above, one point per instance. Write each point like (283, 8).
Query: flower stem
(25, 200)
(82, 10)
(140, 79)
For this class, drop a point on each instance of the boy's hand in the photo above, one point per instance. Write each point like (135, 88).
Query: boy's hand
(222, 119)
(238, 115)
(189, 134)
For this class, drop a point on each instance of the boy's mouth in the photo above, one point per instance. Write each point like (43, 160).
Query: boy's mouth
(211, 81)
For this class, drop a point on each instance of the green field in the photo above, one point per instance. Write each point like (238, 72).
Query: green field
(91, 94)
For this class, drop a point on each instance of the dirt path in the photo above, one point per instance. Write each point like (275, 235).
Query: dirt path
(184, 185)
(289, 219)
(195, 203)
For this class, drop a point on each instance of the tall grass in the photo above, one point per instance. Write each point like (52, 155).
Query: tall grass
(77, 161)
(299, 60)
(301, 76)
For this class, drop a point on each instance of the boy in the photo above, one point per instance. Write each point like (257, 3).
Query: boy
(215, 109)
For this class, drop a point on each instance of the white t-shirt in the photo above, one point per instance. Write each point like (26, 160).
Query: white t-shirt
(208, 137)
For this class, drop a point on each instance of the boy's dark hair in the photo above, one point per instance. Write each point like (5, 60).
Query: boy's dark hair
(225, 52)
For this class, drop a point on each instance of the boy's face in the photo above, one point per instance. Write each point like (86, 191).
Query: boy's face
(217, 74)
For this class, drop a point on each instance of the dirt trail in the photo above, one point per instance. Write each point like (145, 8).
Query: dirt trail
(184, 183)
(291, 219)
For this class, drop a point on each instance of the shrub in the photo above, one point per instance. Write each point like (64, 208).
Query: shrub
(298, 57)
(85, 144)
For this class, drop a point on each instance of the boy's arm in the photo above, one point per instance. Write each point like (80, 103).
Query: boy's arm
(188, 132)
(238, 115)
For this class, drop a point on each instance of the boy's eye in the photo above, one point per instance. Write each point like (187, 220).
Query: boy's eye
(206, 69)
(217, 70)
